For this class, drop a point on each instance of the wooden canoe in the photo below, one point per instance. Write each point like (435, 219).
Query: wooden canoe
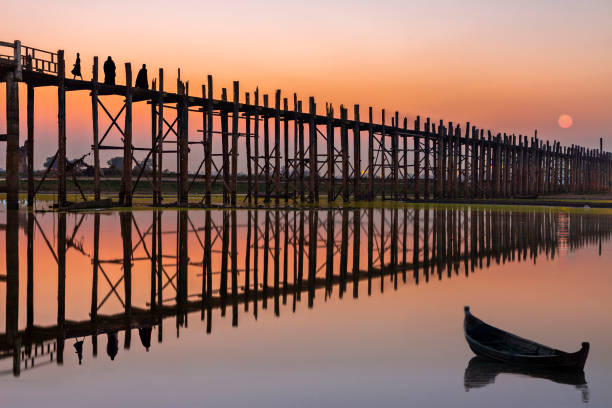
(491, 342)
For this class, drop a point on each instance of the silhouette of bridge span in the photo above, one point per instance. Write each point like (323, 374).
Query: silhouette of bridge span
(428, 161)
(321, 250)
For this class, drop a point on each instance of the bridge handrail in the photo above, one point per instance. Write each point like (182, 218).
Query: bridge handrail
(34, 59)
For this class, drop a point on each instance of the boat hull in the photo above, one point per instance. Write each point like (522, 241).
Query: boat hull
(499, 346)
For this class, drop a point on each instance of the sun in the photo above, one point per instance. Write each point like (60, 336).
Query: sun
(565, 121)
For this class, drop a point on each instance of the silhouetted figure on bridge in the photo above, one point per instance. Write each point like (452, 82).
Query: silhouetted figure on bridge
(78, 349)
(76, 68)
(112, 344)
(141, 79)
(145, 336)
(109, 71)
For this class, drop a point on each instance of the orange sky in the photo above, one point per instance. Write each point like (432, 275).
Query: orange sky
(514, 67)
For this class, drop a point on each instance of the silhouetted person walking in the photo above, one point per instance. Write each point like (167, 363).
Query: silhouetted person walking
(76, 68)
(109, 71)
(112, 344)
(78, 349)
(141, 79)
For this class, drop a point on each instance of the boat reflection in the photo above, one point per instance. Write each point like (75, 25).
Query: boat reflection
(481, 372)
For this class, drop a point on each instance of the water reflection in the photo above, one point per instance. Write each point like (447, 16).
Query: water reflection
(145, 268)
(481, 372)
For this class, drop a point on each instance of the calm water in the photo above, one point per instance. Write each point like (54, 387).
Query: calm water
(298, 308)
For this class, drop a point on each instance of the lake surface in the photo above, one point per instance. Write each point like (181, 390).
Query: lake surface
(356, 307)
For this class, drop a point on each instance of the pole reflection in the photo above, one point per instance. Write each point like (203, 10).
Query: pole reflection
(202, 261)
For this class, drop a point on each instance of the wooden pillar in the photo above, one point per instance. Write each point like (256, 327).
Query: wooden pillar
(383, 154)
(266, 120)
(277, 146)
(287, 162)
(160, 137)
(426, 182)
(356, 155)
(301, 152)
(225, 167)
(30, 144)
(125, 196)
(345, 153)
(331, 161)
(256, 147)
(94, 116)
(395, 157)
(61, 126)
(209, 137)
(154, 134)
(235, 132)
(183, 145)
(417, 158)
(370, 156)
(314, 196)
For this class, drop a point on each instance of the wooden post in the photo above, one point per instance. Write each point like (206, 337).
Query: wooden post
(183, 145)
(301, 152)
(394, 156)
(286, 135)
(247, 116)
(160, 137)
(267, 180)
(426, 194)
(383, 153)
(125, 196)
(61, 126)
(356, 156)
(235, 130)
(417, 158)
(345, 154)
(209, 137)
(331, 161)
(296, 144)
(474, 163)
(154, 134)
(256, 146)
(30, 145)
(314, 196)
(225, 148)
(94, 116)
(277, 146)
(370, 156)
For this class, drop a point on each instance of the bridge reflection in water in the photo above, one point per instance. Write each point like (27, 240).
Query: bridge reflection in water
(194, 262)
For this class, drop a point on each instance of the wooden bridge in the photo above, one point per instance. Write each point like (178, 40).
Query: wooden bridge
(287, 255)
(304, 153)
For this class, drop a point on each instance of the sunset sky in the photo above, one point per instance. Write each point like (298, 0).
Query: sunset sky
(510, 67)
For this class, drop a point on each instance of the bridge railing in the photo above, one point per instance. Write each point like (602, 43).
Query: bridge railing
(30, 58)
